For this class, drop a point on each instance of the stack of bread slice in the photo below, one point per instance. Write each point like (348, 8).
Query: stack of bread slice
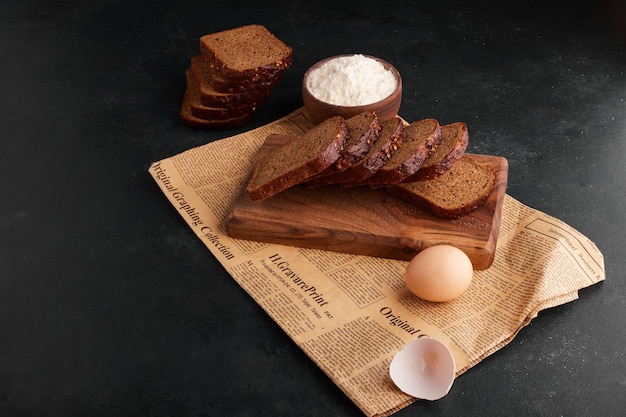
(232, 75)
(422, 163)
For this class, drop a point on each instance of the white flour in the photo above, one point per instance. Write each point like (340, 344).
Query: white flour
(352, 80)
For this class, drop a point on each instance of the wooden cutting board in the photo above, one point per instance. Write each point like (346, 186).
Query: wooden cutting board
(362, 221)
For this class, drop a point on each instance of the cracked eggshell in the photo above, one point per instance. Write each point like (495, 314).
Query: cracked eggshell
(424, 369)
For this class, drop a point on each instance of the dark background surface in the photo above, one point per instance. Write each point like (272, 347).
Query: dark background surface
(110, 306)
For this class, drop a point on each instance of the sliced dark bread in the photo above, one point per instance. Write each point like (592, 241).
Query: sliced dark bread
(256, 86)
(212, 96)
(390, 139)
(298, 160)
(421, 138)
(233, 74)
(363, 131)
(198, 109)
(459, 191)
(246, 53)
(454, 141)
(222, 84)
(195, 122)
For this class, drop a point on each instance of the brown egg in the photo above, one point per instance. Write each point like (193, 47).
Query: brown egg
(439, 273)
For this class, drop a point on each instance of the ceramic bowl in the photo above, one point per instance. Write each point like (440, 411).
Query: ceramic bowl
(319, 110)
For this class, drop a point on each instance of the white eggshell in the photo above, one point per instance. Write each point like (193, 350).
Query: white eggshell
(439, 273)
(424, 369)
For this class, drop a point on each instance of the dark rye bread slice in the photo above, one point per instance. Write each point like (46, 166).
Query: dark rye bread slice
(390, 139)
(421, 139)
(298, 160)
(454, 141)
(198, 109)
(363, 131)
(212, 96)
(246, 53)
(254, 86)
(459, 191)
(225, 85)
(195, 122)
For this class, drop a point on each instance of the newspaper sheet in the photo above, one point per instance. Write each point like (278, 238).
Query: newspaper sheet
(350, 314)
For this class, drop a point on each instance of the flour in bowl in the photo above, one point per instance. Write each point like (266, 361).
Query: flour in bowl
(351, 80)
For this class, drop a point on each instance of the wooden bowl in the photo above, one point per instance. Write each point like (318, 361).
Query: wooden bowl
(319, 110)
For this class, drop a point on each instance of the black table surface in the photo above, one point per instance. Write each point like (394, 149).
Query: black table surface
(109, 304)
